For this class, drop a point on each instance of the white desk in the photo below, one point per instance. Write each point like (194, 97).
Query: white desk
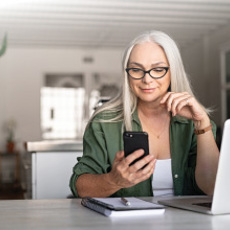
(69, 214)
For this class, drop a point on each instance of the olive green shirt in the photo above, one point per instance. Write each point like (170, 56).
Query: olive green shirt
(102, 140)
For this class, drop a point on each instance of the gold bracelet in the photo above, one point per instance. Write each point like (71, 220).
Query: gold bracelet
(201, 131)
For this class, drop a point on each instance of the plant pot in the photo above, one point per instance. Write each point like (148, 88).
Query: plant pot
(10, 146)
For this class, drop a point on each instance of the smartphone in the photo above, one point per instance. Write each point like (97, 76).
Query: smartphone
(134, 141)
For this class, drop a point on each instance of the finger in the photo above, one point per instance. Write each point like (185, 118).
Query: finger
(181, 100)
(164, 99)
(150, 167)
(173, 97)
(120, 168)
(141, 163)
(129, 173)
(170, 100)
(183, 103)
(169, 94)
(146, 172)
(133, 156)
(188, 101)
(119, 156)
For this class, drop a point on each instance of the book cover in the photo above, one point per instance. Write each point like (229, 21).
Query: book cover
(116, 207)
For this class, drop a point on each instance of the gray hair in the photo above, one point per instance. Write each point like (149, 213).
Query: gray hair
(125, 103)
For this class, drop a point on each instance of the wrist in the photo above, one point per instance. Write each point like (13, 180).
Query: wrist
(202, 124)
(111, 183)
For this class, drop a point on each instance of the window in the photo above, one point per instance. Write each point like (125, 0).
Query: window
(69, 100)
(62, 111)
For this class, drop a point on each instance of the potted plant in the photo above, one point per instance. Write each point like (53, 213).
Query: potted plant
(4, 45)
(10, 126)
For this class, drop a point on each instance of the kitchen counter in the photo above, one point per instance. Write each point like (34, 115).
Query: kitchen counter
(54, 146)
(50, 160)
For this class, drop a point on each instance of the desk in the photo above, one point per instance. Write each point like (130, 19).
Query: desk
(69, 214)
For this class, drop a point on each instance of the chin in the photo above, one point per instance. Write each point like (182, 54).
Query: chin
(149, 99)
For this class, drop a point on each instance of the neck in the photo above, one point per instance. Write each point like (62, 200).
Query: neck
(150, 110)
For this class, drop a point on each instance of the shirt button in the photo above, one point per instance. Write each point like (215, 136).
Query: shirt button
(176, 176)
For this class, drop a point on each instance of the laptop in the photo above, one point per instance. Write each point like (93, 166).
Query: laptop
(220, 202)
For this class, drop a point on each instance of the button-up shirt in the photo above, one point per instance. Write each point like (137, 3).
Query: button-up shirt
(102, 140)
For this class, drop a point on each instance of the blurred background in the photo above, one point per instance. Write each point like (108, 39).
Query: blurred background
(63, 56)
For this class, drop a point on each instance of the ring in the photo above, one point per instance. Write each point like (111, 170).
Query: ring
(187, 101)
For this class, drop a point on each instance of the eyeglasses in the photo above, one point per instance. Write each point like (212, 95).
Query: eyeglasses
(156, 73)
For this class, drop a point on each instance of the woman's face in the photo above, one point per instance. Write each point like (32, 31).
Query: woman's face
(147, 56)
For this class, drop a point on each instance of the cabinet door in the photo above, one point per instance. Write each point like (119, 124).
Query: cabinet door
(51, 172)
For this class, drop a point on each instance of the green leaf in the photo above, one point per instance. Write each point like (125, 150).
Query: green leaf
(4, 45)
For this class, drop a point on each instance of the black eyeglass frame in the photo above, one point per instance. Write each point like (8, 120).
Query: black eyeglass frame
(148, 71)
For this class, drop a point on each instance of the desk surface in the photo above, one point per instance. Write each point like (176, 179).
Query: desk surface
(69, 214)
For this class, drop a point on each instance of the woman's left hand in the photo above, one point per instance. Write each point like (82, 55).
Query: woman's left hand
(185, 105)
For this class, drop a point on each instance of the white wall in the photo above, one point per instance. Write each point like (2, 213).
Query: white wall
(22, 71)
(21, 76)
(202, 61)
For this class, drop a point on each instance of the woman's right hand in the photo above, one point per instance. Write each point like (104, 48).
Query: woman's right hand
(124, 175)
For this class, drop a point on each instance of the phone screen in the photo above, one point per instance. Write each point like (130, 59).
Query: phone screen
(134, 141)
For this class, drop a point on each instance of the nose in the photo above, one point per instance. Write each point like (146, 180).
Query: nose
(147, 78)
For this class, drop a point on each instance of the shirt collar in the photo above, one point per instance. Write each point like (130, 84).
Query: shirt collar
(179, 119)
(175, 119)
(135, 116)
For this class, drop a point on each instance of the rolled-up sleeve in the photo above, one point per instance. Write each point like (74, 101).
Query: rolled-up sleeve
(95, 156)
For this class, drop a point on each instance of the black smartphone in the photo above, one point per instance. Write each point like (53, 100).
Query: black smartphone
(134, 141)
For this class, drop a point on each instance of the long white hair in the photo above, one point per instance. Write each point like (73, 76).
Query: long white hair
(125, 103)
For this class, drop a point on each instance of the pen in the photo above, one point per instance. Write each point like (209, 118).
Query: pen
(125, 201)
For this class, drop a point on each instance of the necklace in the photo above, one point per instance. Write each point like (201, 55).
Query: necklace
(148, 126)
(161, 132)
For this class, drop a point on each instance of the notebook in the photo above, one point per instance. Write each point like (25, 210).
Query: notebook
(220, 202)
(115, 207)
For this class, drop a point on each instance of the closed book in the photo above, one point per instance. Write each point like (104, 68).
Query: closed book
(116, 207)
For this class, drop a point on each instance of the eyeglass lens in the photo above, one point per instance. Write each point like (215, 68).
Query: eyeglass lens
(139, 73)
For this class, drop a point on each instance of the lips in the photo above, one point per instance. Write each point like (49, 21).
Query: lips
(148, 90)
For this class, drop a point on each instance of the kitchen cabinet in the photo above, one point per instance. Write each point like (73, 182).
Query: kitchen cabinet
(52, 168)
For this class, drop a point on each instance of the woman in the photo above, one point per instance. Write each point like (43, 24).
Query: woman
(156, 98)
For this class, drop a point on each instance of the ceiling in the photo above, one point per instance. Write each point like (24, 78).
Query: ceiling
(107, 23)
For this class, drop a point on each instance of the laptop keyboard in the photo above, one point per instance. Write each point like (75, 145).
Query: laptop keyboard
(208, 205)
